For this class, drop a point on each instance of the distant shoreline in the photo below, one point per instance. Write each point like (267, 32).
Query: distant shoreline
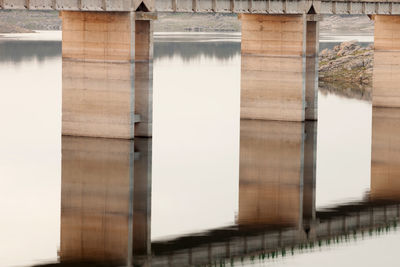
(347, 68)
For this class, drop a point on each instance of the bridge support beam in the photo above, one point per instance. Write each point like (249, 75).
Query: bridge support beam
(386, 73)
(107, 74)
(312, 52)
(279, 79)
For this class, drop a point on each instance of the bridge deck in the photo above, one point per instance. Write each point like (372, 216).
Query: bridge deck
(368, 7)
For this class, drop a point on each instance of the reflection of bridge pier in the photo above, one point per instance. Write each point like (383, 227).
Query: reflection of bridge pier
(309, 171)
(105, 199)
(385, 158)
(277, 173)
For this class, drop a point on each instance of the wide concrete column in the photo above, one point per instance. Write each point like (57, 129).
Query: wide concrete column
(277, 52)
(105, 200)
(107, 74)
(271, 173)
(385, 154)
(386, 73)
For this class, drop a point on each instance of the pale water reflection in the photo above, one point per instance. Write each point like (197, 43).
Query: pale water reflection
(203, 169)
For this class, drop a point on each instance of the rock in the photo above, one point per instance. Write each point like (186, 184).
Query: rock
(347, 48)
(324, 53)
(347, 63)
(355, 63)
(336, 48)
(349, 45)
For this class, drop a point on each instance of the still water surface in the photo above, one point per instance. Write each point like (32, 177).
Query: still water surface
(193, 179)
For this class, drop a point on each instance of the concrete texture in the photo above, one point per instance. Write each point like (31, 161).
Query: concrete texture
(386, 73)
(273, 67)
(312, 51)
(107, 75)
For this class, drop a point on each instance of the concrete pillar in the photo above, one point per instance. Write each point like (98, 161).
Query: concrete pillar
(107, 74)
(386, 73)
(312, 52)
(274, 56)
(385, 157)
(271, 173)
(105, 199)
(144, 77)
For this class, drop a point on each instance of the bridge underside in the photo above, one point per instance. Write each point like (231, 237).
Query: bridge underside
(221, 6)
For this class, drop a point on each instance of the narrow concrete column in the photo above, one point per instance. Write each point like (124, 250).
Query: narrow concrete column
(144, 77)
(385, 154)
(312, 51)
(105, 93)
(271, 173)
(386, 73)
(273, 67)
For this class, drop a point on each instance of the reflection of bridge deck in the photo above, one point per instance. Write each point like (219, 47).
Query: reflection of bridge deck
(106, 198)
(243, 241)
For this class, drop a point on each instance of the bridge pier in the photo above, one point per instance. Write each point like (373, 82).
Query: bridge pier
(279, 78)
(107, 74)
(386, 73)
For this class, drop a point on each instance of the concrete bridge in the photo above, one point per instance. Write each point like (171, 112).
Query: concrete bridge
(107, 50)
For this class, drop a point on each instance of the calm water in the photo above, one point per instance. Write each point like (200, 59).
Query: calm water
(186, 178)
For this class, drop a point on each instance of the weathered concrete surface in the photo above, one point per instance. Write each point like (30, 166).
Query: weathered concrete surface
(97, 99)
(273, 67)
(386, 74)
(143, 84)
(107, 75)
(312, 51)
(100, 36)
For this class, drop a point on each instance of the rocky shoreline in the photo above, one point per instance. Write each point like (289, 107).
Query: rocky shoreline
(347, 62)
(347, 67)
